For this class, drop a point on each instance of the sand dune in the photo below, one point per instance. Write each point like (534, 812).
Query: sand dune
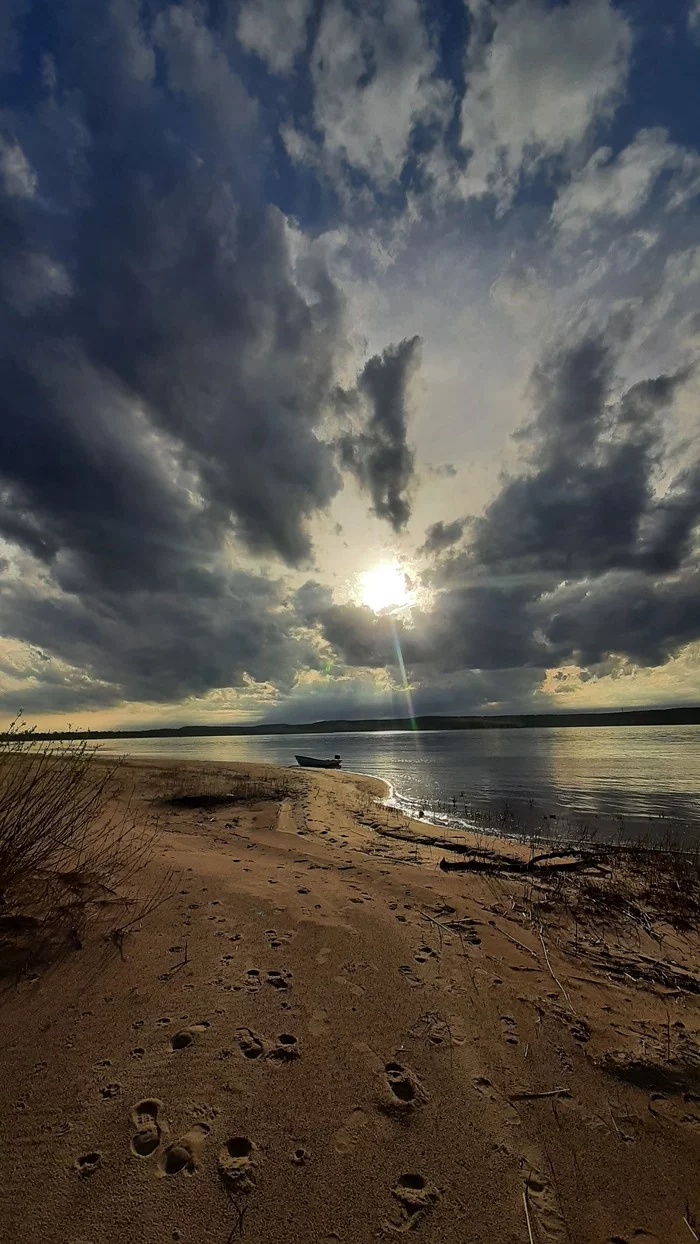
(321, 1036)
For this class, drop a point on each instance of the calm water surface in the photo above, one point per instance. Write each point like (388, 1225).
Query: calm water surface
(640, 770)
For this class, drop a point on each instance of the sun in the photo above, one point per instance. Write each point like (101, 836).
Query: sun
(385, 587)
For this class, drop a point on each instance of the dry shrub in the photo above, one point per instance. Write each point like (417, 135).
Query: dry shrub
(69, 842)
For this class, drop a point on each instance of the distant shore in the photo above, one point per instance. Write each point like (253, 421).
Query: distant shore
(685, 715)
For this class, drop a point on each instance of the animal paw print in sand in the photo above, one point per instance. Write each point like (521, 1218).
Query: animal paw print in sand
(402, 1091)
(184, 1154)
(416, 1197)
(509, 1028)
(238, 1164)
(144, 1117)
(424, 954)
(187, 1036)
(409, 975)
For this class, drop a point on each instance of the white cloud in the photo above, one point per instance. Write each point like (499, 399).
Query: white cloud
(694, 17)
(619, 187)
(374, 80)
(536, 89)
(17, 176)
(275, 29)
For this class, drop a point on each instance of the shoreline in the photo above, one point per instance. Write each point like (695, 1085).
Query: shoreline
(324, 1035)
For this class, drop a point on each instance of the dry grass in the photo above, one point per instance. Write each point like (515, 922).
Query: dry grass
(69, 843)
(216, 788)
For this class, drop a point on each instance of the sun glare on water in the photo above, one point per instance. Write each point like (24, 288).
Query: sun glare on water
(384, 587)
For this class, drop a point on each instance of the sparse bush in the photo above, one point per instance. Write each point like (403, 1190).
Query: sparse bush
(68, 841)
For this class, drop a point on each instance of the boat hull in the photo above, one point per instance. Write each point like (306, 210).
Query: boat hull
(312, 762)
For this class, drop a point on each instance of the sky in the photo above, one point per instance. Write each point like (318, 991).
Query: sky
(348, 358)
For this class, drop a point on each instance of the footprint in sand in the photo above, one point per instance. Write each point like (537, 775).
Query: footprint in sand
(88, 1163)
(683, 1110)
(349, 1134)
(501, 1106)
(137, 1052)
(251, 1045)
(402, 1091)
(184, 1154)
(279, 980)
(544, 1208)
(187, 1036)
(323, 955)
(110, 1090)
(253, 979)
(286, 1050)
(319, 1023)
(416, 1197)
(238, 1163)
(144, 1116)
(355, 989)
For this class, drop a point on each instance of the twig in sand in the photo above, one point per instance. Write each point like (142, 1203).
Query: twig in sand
(527, 1096)
(514, 940)
(527, 1216)
(689, 1221)
(183, 962)
(237, 1228)
(554, 978)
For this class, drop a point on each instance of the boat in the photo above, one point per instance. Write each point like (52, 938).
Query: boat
(312, 762)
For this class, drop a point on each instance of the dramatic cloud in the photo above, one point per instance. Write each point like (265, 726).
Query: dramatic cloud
(379, 454)
(538, 78)
(373, 75)
(567, 549)
(213, 220)
(440, 536)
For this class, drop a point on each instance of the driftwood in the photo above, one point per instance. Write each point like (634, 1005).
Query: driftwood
(541, 864)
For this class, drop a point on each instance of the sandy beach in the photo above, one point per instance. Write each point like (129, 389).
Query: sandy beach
(321, 1035)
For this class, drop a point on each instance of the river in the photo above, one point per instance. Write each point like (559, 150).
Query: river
(618, 770)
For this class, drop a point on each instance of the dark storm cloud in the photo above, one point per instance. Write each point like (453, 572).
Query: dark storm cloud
(440, 536)
(577, 557)
(169, 306)
(578, 510)
(165, 363)
(378, 452)
(160, 646)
